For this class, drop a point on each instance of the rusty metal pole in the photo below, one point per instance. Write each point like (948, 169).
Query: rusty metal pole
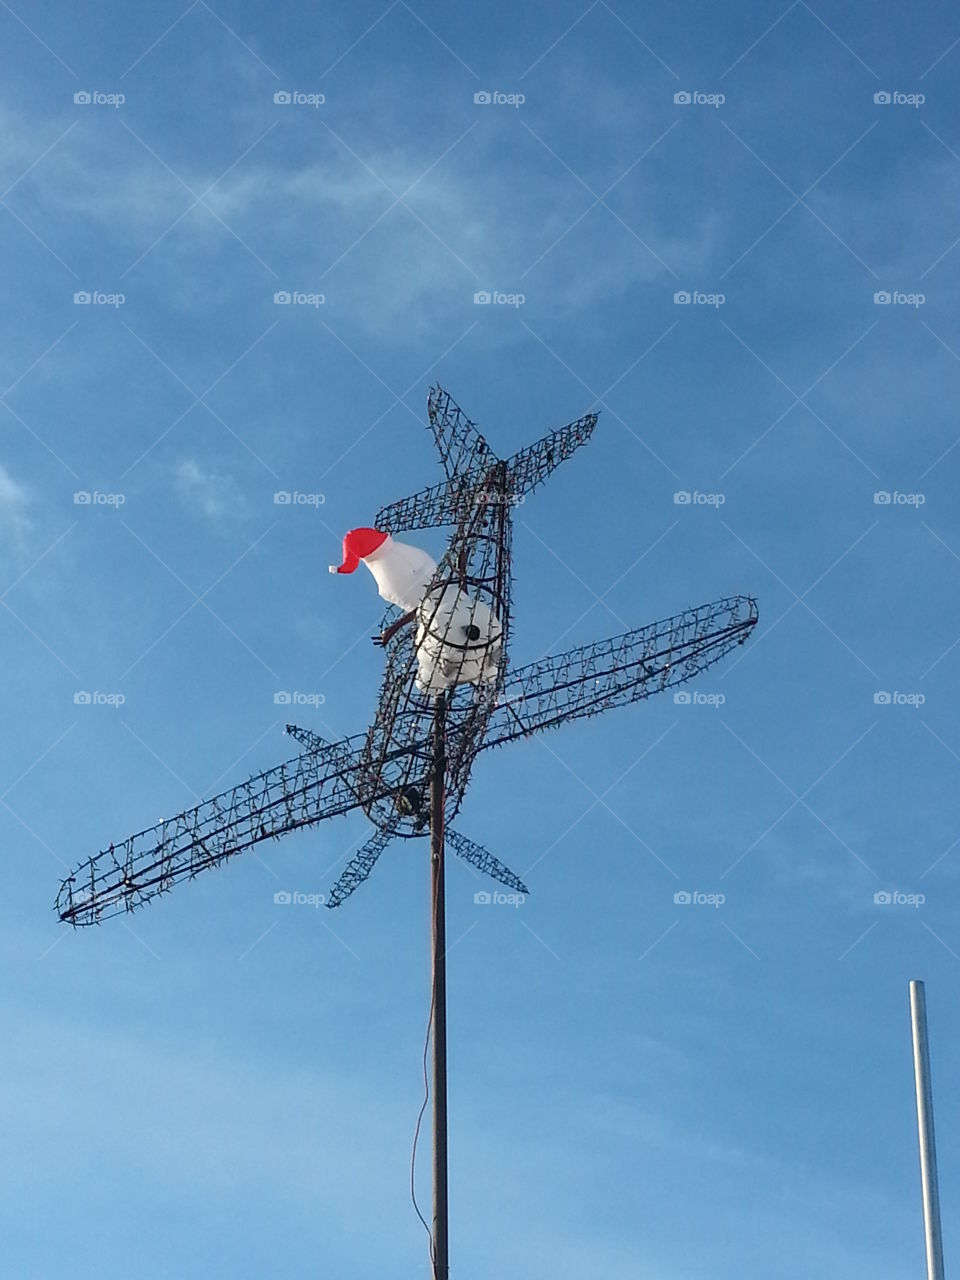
(439, 944)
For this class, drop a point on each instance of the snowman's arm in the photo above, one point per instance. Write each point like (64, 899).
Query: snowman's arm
(387, 634)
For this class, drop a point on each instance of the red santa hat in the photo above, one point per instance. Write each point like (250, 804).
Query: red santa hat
(357, 545)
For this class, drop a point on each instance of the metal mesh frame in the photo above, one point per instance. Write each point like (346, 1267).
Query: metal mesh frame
(386, 771)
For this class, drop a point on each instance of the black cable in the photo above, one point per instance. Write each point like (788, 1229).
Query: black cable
(416, 1136)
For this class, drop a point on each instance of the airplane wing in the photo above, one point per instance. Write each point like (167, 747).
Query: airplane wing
(615, 672)
(446, 503)
(326, 780)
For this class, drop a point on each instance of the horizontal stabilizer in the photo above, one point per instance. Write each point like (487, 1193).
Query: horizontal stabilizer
(461, 447)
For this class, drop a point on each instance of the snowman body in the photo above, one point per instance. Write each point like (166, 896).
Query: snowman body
(458, 640)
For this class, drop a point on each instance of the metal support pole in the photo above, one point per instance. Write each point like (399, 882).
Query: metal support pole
(928, 1149)
(439, 943)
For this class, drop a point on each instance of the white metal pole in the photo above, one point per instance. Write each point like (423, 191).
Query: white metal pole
(928, 1148)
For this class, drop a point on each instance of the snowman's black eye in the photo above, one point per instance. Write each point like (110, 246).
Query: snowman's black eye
(473, 632)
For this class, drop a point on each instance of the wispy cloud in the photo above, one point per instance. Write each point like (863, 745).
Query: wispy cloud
(14, 503)
(205, 490)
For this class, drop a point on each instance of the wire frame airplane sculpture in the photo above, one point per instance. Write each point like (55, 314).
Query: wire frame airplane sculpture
(448, 692)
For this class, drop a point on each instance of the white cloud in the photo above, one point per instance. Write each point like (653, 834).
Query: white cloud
(14, 499)
(408, 274)
(214, 495)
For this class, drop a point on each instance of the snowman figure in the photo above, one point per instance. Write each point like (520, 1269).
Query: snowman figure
(458, 638)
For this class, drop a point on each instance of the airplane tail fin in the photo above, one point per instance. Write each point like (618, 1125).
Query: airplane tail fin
(471, 465)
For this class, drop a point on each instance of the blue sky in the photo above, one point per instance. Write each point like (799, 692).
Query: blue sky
(221, 1086)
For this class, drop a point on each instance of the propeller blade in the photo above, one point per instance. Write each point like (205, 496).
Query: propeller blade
(483, 860)
(359, 868)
